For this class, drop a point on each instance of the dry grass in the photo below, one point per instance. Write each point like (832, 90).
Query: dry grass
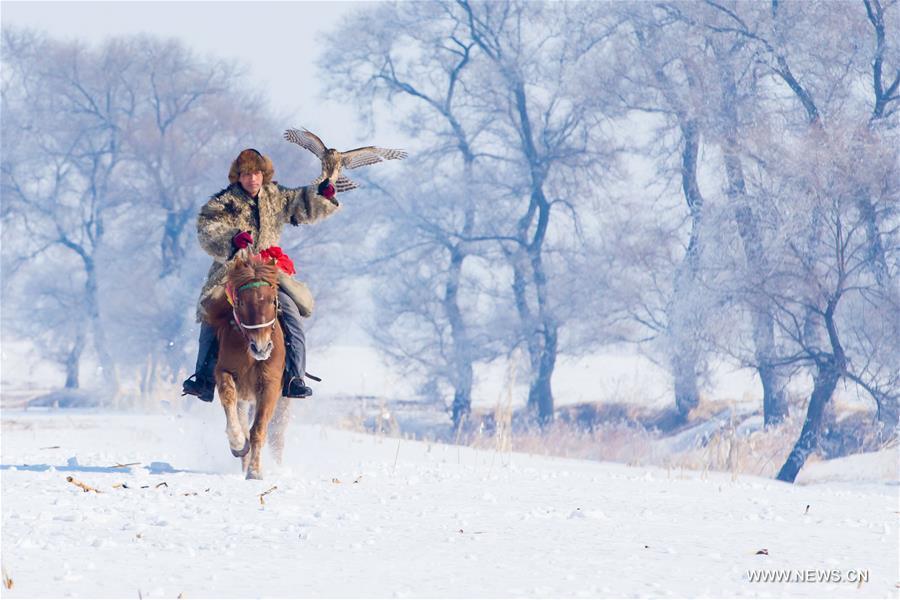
(616, 443)
(758, 452)
(84, 487)
(631, 438)
(717, 435)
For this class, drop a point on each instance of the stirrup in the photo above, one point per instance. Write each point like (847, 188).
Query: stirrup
(193, 386)
(295, 388)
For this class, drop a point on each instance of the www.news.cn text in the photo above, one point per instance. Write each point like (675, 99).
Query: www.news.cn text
(857, 576)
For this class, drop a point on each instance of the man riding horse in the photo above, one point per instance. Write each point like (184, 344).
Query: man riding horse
(250, 213)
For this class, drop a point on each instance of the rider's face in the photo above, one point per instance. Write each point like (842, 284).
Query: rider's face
(251, 181)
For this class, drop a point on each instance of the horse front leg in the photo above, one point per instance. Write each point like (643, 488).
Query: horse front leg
(266, 401)
(237, 441)
(244, 414)
(278, 425)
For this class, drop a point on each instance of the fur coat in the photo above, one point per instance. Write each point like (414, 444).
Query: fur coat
(231, 211)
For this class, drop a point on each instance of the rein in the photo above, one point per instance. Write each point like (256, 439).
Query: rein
(230, 295)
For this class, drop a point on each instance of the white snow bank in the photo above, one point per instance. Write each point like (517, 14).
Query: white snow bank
(357, 515)
(871, 467)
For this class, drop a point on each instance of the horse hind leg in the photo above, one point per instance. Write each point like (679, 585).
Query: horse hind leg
(245, 410)
(278, 426)
(265, 407)
(237, 440)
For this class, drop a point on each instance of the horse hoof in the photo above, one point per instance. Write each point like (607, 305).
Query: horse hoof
(253, 475)
(242, 452)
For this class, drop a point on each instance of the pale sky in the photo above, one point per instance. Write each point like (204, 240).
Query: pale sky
(277, 40)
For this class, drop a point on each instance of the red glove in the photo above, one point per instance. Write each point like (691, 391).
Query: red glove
(242, 240)
(326, 189)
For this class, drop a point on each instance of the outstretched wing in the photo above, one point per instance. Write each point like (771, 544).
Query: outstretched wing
(343, 184)
(369, 155)
(307, 139)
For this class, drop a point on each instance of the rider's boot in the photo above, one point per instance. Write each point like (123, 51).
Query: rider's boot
(203, 382)
(295, 349)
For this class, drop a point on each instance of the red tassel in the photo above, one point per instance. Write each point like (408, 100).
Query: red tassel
(281, 260)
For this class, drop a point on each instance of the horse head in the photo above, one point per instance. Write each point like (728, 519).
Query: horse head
(252, 286)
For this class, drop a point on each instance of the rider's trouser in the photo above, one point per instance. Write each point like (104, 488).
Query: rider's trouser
(294, 339)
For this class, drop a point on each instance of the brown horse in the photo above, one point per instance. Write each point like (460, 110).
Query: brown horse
(251, 360)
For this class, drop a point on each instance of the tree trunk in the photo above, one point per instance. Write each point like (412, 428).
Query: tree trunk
(540, 335)
(683, 323)
(527, 325)
(108, 368)
(684, 356)
(145, 380)
(149, 377)
(172, 246)
(829, 371)
(73, 362)
(827, 376)
(875, 256)
(683, 345)
(540, 392)
(774, 399)
(541, 385)
(774, 402)
(462, 351)
(684, 372)
(888, 415)
(542, 331)
(462, 364)
(775, 407)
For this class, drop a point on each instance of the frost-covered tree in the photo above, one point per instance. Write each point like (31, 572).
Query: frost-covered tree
(192, 116)
(839, 319)
(108, 153)
(665, 78)
(492, 86)
(185, 127)
(820, 74)
(425, 65)
(549, 147)
(61, 178)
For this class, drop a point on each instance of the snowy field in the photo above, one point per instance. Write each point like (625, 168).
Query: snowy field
(357, 515)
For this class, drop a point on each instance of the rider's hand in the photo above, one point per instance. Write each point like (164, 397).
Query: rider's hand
(326, 189)
(242, 240)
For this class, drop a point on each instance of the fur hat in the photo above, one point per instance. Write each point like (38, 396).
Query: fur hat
(250, 160)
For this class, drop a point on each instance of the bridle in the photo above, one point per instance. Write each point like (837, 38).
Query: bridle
(237, 319)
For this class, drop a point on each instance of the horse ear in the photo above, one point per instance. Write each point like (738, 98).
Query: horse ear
(242, 256)
(237, 262)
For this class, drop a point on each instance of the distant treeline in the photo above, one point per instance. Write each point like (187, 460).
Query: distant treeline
(707, 181)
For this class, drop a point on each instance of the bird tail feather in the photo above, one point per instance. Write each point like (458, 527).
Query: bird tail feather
(343, 184)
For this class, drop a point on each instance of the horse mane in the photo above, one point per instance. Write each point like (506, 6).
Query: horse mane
(241, 271)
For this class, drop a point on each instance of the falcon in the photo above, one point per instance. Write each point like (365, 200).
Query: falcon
(333, 160)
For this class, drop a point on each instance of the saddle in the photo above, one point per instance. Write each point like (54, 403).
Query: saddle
(298, 292)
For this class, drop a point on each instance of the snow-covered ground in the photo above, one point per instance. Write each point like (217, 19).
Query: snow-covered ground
(359, 515)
